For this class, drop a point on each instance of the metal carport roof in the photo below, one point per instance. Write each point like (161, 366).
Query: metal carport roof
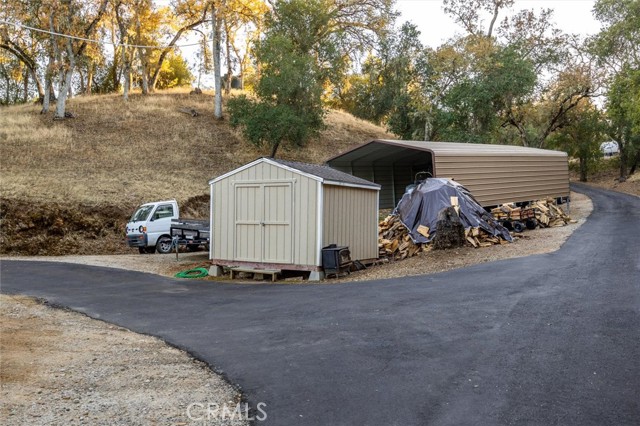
(493, 173)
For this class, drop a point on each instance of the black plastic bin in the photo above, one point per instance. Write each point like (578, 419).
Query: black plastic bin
(336, 260)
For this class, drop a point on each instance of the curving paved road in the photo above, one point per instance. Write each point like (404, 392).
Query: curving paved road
(549, 339)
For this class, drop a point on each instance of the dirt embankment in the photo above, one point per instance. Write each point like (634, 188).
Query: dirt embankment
(60, 367)
(31, 228)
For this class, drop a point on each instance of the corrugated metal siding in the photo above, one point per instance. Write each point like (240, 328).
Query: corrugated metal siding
(303, 214)
(350, 219)
(384, 177)
(499, 179)
(403, 176)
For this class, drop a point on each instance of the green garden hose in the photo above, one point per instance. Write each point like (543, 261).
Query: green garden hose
(193, 273)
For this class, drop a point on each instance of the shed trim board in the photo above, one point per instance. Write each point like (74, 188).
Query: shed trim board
(293, 170)
(319, 223)
(211, 234)
(262, 265)
(494, 174)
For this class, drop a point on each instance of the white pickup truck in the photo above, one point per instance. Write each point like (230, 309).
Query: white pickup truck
(156, 226)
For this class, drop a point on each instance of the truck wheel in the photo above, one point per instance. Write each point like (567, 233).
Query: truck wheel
(164, 245)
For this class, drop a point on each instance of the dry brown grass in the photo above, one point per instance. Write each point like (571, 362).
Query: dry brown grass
(124, 153)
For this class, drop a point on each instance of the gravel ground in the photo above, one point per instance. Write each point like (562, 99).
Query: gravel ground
(534, 242)
(537, 241)
(63, 368)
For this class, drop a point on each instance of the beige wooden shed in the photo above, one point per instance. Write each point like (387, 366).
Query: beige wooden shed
(277, 214)
(494, 174)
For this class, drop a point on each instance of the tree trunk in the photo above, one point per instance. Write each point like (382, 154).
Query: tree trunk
(65, 81)
(26, 86)
(46, 100)
(583, 168)
(89, 78)
(81, 79)
(126, 58)
(635, 163)
(47, 93)
(227, 86)
(274, 149)
(7, 94)
(623, 160)
(116, 63)
(127, 75)
(427, 128)
(145, 76)
(70, 88)
(217, 102)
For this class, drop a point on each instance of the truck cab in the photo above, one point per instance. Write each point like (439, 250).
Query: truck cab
(149, 228)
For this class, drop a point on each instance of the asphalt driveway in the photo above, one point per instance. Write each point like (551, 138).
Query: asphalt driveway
(542, 340)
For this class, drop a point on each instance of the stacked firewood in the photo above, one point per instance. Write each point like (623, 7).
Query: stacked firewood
(477, 237)
(548, 214)
(545, 212)
(395, 243)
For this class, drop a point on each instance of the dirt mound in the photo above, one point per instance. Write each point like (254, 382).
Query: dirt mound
(35, 228)
(195, 207)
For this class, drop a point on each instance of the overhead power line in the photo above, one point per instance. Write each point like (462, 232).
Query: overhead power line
(90, 40)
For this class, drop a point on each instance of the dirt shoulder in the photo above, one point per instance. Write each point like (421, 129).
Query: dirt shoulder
(607, 180)
(537, 241)
(61, 367)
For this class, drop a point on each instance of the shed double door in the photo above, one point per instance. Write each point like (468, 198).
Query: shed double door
(263, 225)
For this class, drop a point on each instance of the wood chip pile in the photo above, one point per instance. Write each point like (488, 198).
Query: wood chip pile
(546, 213)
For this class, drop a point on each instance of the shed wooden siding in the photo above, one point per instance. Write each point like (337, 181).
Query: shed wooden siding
(350, 218)
(304, 212)
(495, 179)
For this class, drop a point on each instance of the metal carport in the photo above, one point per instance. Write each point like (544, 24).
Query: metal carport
(493, 173)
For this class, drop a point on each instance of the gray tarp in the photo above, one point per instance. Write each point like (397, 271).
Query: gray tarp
(421, 206)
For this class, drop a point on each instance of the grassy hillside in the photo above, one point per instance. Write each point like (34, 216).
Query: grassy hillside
(71, 184)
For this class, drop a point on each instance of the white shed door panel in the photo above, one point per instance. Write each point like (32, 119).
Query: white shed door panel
(248, 223)
(263, 222)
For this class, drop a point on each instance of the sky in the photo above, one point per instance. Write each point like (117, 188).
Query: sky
(571, 16)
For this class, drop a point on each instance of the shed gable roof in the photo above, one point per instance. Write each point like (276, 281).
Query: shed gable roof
(327, 174)
(321, 173)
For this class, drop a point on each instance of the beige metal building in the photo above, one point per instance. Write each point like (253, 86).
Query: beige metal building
(494, 174)
(277, 214)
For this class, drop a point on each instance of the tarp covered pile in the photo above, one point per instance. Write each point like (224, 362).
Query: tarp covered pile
(414, 221)
(422, 205)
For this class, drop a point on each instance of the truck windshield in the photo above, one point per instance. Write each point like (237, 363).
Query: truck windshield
(141, 214)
